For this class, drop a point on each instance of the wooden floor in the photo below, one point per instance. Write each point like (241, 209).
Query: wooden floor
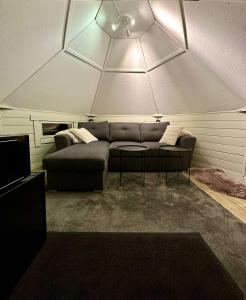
(236, 206)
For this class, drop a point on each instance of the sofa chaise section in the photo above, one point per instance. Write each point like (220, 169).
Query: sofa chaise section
(78, 167)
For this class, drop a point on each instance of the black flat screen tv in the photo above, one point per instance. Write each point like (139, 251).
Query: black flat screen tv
(15, 160)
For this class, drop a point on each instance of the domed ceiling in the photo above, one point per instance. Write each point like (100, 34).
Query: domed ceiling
(117, 57)
(135, 47)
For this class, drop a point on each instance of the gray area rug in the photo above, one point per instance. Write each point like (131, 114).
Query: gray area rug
(153, 208)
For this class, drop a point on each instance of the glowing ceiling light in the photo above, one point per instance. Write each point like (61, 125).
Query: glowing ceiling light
(115, 26)
(133, 22)
(125, 22)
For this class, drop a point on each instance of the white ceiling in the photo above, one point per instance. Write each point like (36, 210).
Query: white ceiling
(60, 57)
(64, 84)
(91, 45)
(139, 10)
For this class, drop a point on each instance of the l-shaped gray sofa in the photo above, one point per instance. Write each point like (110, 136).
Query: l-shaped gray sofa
(85, 166)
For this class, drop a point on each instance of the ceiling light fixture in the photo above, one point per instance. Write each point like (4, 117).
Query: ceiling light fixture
(158, 117)
(91, 117)
(125, 22)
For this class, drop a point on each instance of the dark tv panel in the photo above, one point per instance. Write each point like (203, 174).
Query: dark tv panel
(14, 160)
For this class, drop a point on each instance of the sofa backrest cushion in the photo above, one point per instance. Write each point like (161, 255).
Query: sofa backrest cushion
(124, 131)
(152, 132)
(99, 129)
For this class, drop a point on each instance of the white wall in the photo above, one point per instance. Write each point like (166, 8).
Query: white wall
(220, 140)
(125, 118)
(29, 122)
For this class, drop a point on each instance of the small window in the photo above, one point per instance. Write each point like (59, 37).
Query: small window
(53, 128)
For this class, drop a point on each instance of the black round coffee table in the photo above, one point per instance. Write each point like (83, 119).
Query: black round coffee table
(167, 151)
(126, 151)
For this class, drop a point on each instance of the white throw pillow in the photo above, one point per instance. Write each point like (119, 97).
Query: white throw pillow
(69, 133)
(185, 132)
(83, 135)
(171, 135)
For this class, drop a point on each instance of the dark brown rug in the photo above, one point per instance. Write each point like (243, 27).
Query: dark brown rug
(218, 181)
(126, 266)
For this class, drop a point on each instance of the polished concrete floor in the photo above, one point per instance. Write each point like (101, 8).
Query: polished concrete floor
(153, 208)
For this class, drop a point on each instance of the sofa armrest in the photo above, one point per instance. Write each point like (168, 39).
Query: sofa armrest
(188, 141)
(62, 141)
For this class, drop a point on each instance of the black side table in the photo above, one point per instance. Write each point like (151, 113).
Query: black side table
(23, 228)
(176, 152)
(125, 152)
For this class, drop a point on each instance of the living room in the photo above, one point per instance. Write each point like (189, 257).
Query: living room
(130, 118)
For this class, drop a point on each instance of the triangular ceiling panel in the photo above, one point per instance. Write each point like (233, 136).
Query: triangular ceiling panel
(217, 36)
(158, 46)
(92, 45)
(81, 13)
(106, 16)
(31, 33)
(124, 94)
(125, 55)
(184, 86)
(66, 84)
(168, 14)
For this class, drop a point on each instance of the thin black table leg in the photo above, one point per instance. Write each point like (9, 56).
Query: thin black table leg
(166, 174)
(120, 168)
(189, 168)
(143, 166)
(179, 163)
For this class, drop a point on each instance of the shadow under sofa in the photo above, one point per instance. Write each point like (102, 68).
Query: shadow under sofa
(85, 166)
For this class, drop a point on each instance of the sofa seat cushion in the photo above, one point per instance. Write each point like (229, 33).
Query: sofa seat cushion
(124, 131)
(152, 132)
(79, 157)
(115, 152)
(152, 148)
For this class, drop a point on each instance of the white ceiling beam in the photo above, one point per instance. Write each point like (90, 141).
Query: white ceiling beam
(118, 70)
(99, 9)
(182, 12)
(96, 93)
(84, 59)
(116, 7)
(151, 87)
(166, 59)
(152, 11)
(169, 34)
(65, 24)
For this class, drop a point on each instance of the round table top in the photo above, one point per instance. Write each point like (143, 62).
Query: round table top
(132, 148)
(174, 148)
